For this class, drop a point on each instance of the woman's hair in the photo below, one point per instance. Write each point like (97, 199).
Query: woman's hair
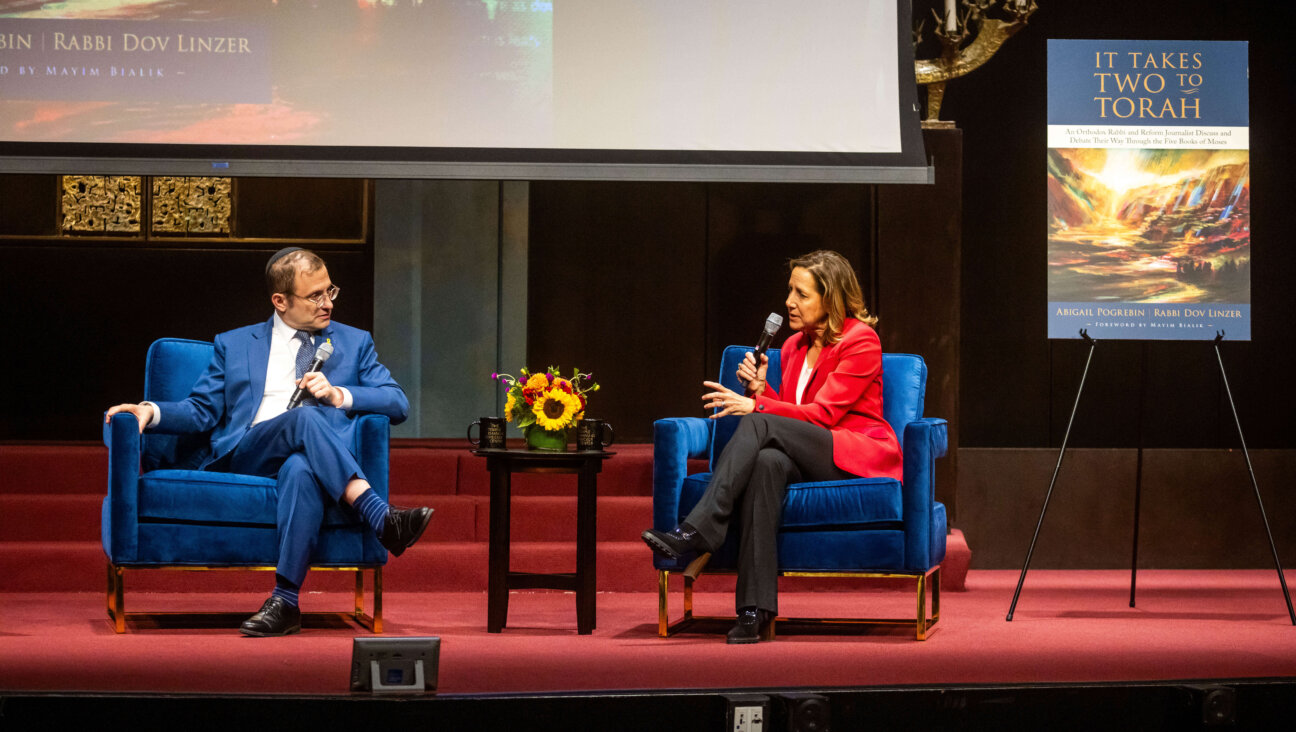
(842, 298)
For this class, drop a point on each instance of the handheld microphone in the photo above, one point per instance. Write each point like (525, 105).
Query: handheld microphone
(321, 355)
(772, 325)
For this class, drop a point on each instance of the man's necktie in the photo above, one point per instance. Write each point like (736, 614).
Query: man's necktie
(304, 354)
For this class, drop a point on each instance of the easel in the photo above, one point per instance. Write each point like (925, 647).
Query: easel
(1138, 480)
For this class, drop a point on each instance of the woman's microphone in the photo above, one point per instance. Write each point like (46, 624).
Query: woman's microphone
(772, 325)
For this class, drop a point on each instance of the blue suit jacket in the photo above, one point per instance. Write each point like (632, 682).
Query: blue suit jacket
(226, 397)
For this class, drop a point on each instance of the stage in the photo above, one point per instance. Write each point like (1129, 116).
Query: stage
(1074, 656)
(1070, 628)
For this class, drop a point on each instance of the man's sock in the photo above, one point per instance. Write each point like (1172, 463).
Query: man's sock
(285, 589)
(373, 508)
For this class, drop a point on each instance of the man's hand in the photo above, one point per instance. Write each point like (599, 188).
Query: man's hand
(317, 385)
(142, 412)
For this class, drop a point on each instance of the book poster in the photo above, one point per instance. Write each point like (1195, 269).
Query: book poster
(1149, 190)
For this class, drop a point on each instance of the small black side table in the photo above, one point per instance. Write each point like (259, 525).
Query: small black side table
(502, 464)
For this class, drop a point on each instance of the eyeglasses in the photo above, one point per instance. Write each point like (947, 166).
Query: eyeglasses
(318, 300)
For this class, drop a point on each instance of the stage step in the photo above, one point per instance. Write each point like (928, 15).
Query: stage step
(457, 566)
(422, 470)
(54, 469)
(80, 566)
(83, 468)
(38, 517)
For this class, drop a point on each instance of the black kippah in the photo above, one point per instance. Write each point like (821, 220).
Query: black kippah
(280, 255)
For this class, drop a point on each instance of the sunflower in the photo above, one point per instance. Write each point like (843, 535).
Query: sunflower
(509, 405)
(556, 409)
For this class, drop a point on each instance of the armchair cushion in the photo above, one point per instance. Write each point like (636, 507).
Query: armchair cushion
(200, 496)
(204, 497)
(842, 503)
(814, 506)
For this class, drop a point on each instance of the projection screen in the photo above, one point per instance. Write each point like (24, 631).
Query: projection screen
(531, 89)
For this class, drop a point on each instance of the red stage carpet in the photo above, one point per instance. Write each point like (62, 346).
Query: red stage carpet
(1070, 626)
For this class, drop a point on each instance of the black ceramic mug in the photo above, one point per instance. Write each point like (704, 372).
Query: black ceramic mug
(590, 434)
(492, 433)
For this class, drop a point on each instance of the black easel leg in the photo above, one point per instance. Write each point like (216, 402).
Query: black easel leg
(1138, 476)
(1138, 496)
(1061, 453)
(1278, 565)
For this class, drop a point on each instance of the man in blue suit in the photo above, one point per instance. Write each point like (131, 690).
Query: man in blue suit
(243, 400)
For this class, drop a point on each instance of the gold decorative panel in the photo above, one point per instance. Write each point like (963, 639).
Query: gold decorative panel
(191, 205)
(95, 204)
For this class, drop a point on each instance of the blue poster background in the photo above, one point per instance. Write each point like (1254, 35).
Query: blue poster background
(1072, 85)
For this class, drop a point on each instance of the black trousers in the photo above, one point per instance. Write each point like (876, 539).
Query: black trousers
(764, 456)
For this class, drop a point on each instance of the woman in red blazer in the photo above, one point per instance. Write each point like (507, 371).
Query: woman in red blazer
(823, 423)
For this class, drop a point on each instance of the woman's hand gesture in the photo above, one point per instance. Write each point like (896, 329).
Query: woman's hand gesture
(727, 401)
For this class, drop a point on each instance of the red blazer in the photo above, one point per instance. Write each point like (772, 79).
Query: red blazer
(844, 395)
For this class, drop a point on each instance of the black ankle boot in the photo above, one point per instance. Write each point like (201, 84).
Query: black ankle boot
(752, 624)
(679, 541)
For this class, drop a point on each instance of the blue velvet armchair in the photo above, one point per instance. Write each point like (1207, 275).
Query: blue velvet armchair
(869, 527)
(161, 514)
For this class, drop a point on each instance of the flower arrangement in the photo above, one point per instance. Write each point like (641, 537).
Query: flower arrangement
(547, 401)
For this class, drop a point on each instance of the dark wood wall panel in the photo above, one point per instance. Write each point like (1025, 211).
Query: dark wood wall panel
(29, 205)
(80, 319)
(753, 230)
(616, 285)
(1198, 509)
(1158, 394)
(301, 208)
(918, 281)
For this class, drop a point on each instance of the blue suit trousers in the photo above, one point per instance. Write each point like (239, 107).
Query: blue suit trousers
(303, 449)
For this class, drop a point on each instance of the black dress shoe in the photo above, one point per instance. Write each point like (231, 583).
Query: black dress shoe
(276, 617)
(403, 527)
(675, 543)
(753, 624)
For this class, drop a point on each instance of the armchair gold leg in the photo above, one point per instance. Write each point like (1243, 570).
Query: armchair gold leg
(664, 627)
(688, 598)
(116, 598)
(922, 607)
(359, 593)
(933, 581)
(663, 616)
(935, 592)
(374, 623)
(378, 594)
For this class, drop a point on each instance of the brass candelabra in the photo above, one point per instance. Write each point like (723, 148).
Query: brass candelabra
(967, 40)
